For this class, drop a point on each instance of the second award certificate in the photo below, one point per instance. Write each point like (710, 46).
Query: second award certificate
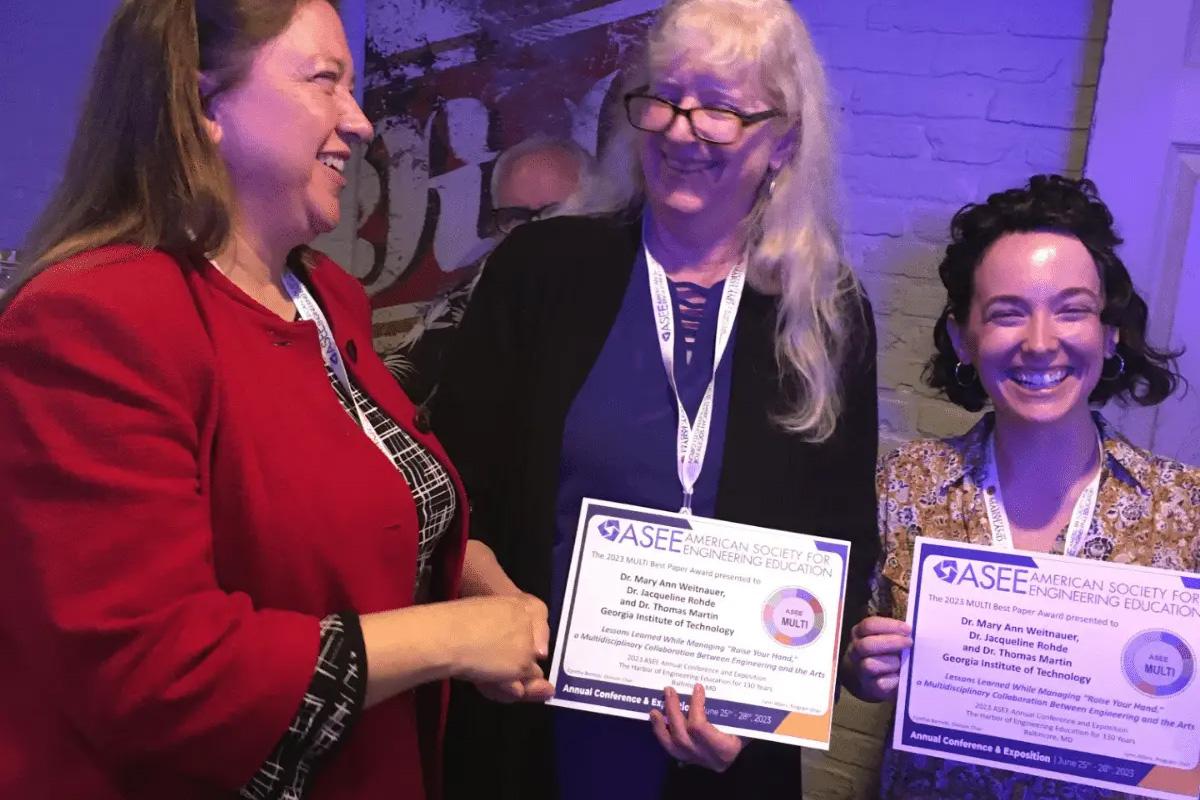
(1070, 668)
(657, 599)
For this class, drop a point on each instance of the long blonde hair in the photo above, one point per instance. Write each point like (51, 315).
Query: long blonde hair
(142, 168)
(794, 242)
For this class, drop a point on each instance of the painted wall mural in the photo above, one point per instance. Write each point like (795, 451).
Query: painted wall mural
(450, 84)
(8, 267)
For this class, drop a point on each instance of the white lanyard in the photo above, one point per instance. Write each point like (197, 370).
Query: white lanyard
(1081, 514)
(691, 440)
(308, 309)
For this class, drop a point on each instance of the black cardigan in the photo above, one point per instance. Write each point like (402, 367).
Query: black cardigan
(535, 327)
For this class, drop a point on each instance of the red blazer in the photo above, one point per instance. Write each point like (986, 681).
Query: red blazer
(182, 498)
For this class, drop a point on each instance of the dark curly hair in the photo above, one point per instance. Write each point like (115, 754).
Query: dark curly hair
(1071, 207)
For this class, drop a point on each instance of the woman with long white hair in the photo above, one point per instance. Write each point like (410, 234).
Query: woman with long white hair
(728, 233)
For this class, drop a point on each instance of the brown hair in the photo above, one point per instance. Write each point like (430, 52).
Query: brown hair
(142, 168)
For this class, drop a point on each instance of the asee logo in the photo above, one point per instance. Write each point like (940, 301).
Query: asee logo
(995, 577)
(610, 529)
(947, 570)
(649, 536)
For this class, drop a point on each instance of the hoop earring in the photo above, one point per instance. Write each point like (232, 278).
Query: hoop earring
(958, 375)
(1120, 368)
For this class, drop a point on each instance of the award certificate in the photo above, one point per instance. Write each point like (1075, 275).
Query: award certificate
(657, 599)
(1069, 668)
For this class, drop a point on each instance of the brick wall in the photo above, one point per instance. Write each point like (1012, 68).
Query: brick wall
(943, 102)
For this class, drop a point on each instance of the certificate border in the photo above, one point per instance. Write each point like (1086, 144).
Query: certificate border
(1147, 778)
(780, 725)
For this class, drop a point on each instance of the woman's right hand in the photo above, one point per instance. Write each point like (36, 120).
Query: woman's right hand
(499, 639)
(873, 657)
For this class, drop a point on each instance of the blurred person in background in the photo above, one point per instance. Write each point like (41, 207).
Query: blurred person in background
(538, 178)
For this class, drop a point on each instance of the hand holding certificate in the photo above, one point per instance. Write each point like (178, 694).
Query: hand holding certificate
(1071, 668)
(656, 599)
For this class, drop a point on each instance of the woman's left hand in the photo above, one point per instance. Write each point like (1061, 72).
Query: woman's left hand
(693, 739)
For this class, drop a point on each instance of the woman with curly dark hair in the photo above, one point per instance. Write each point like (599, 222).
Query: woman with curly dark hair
(1041, 321)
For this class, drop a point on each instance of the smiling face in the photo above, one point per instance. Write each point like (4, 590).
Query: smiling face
(711, 184)
(1033, 330)
(285, 130)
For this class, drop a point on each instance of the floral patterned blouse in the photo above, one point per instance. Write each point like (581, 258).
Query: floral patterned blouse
(1148, 513)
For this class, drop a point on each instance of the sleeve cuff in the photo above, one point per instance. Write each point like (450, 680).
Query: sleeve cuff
(327, 713)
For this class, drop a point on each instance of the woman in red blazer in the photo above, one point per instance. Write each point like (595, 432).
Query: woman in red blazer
(230, 551)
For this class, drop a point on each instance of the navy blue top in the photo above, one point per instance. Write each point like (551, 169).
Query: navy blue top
(619, 444)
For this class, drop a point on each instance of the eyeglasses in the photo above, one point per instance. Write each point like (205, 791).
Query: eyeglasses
(648, 112)
(506, 219)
